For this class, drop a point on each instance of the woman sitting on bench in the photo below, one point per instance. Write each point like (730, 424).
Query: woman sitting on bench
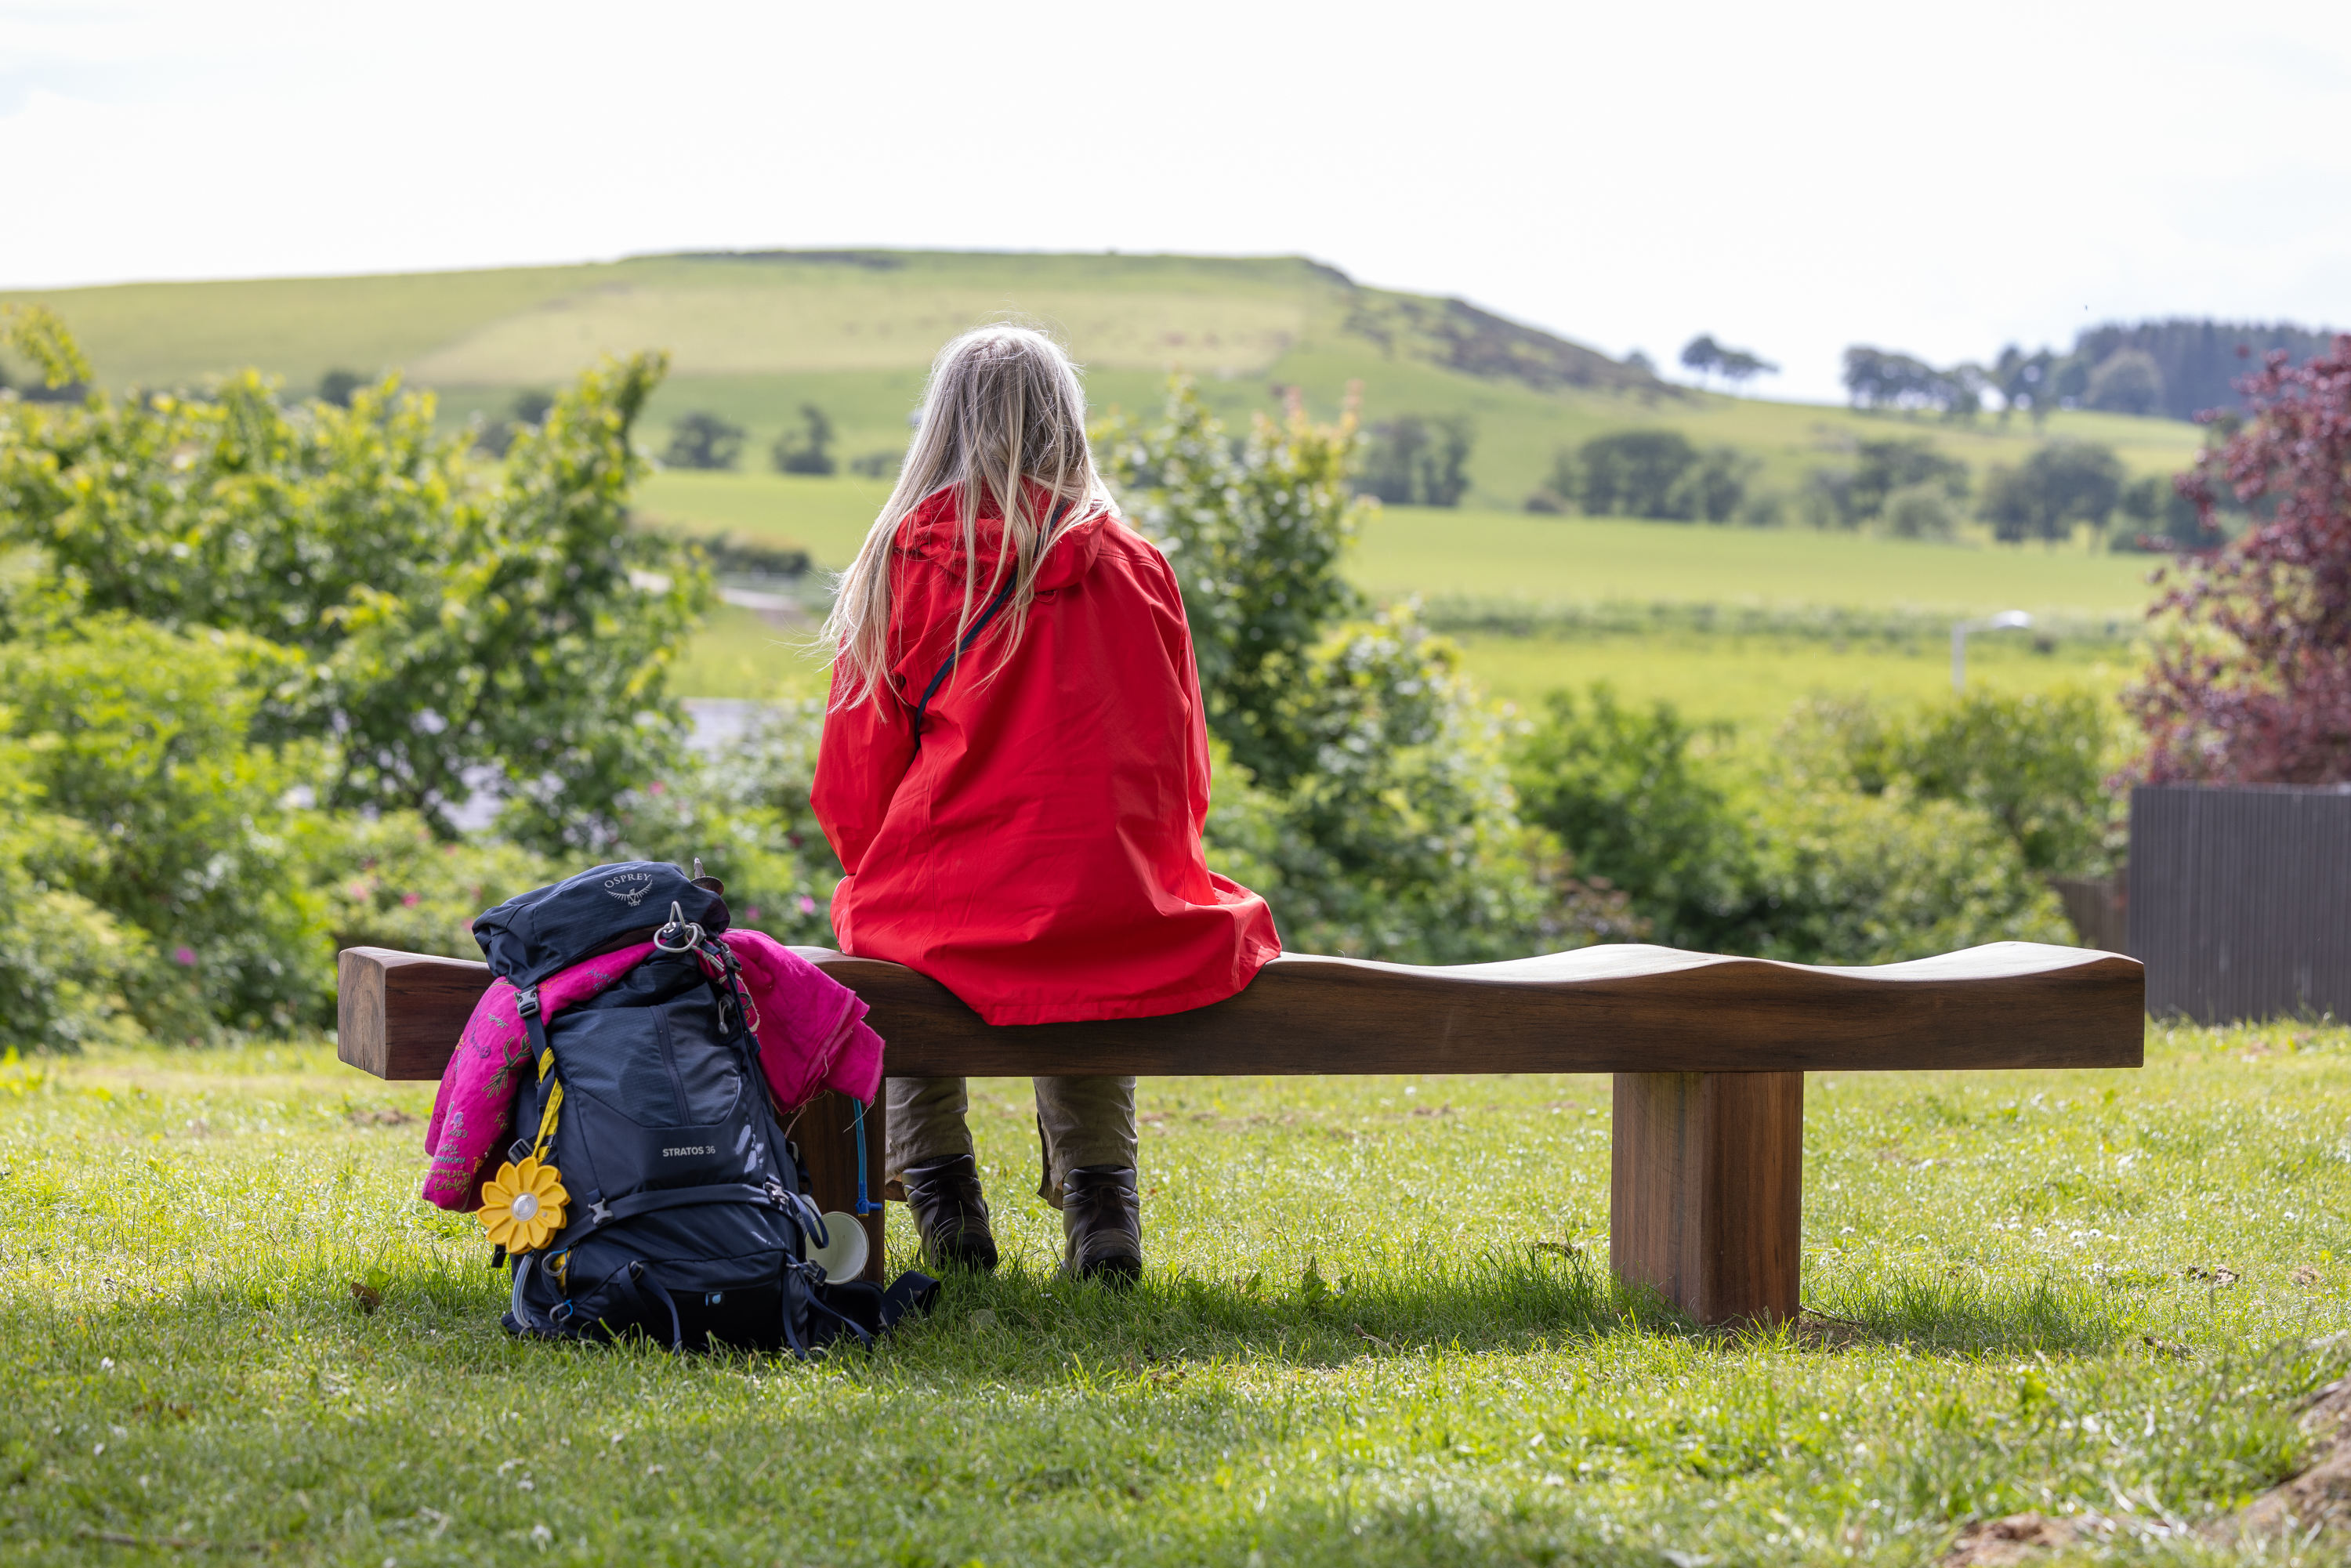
(1015, 775)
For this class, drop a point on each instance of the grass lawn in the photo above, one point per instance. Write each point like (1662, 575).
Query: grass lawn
(1376, 1329)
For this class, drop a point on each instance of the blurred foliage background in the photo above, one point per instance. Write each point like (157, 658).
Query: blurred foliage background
(285, 673)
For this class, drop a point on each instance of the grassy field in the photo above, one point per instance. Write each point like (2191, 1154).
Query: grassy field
(1469, 559)
(1750, 682)
(1481, 553)
(1374, 1330)
(755, 338)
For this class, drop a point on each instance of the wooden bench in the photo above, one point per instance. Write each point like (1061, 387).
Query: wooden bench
(1708, 1054)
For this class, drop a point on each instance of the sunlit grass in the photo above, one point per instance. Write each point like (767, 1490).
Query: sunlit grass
(1376, 1328)
(1749, 681)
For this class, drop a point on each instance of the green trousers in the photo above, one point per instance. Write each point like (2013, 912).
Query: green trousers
(1081, 1122)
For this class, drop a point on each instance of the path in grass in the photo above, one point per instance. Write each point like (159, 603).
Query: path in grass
(1373, 1331)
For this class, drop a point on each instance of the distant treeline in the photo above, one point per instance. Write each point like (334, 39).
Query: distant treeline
(2177, 368)
(2196, 364)
(1896, 487)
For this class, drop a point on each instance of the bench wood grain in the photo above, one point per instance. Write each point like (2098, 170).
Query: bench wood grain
(1709, 1054)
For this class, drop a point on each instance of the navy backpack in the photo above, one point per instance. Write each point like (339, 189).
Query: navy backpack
(687, 1214)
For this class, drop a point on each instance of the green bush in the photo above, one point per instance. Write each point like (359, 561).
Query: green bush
(450, 621)
(68, 968)
(700, 439)
(2036, 764)
(140, 735)
(1872, 835)
(1641, 800)
(1254, 528)
(1403, 842)
(1845, 878)
(743, 811)
(392, 883)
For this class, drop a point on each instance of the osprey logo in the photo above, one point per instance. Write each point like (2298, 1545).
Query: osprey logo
(629, 887)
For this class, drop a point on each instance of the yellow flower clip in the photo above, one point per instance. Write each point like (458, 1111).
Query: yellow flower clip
(522, 1206)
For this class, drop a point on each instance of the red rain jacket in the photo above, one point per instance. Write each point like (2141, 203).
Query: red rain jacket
(1039, 854)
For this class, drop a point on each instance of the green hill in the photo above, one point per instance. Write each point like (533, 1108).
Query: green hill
(754, 336)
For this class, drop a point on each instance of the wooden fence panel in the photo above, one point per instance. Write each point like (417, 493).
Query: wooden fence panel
(2099, 909)
(2240, 900)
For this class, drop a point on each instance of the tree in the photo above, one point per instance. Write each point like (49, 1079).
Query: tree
(810, 452)
(2167, 521)
(1556, 496)
(1919, 512)
(700, 439)
(2063, 483)
(1635, 472)
(1701, 355)
(337, 387)
(2196, 362)
(1739, 367)
(1713, 490)
(1882, 468)
(2021, 380)
(1877, 378)
(2128, 381)
(1706, 357)
(2250, 682)
(449, 630)
(1418, 460)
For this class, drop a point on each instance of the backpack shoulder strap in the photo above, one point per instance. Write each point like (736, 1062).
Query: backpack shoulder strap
(979, 624)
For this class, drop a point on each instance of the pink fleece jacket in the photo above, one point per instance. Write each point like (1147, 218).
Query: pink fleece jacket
(811, 1030)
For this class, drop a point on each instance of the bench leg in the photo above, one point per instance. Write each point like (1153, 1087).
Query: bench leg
(1706, 1190)
(827, 1135)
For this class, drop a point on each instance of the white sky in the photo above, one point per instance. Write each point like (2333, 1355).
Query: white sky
(1792, 178)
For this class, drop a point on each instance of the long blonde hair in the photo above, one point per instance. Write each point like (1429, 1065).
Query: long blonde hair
(1002, 411)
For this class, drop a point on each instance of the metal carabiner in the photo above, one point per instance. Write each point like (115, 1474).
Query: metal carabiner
(678, 922)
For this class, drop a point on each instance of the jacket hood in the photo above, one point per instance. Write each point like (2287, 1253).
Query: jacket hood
(934, 532)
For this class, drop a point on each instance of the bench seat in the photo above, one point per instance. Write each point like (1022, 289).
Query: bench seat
(1709, 1054)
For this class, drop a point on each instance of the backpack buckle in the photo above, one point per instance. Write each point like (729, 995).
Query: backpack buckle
(527, 1001)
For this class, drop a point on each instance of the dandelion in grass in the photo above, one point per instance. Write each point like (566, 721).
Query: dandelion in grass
(522, 1206)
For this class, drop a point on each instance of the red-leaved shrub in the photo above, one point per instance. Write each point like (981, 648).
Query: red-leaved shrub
(2250, 682)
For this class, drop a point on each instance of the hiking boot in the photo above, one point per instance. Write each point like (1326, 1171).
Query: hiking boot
(1103, 1219)
(950, 1212)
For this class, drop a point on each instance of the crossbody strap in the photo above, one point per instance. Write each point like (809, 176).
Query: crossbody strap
(971, 634)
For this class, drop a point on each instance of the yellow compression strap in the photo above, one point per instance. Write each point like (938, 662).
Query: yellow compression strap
(554, 1103)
